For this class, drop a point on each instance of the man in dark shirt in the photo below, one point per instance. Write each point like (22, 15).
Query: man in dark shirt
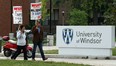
(37, 31)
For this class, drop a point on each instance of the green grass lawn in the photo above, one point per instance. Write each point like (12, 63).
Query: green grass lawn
(114, 51)
(51, 51)
(35, 63)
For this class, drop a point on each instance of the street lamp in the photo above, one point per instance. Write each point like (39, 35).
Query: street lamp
(63, 17)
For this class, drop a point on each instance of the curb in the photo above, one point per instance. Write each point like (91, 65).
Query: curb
(68, 56)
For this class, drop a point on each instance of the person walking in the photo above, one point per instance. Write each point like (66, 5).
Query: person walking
(37, 31)
(21, 43)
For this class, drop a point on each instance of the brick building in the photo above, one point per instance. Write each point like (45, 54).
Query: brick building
(59, 15)
(6, 16)
(58, 18)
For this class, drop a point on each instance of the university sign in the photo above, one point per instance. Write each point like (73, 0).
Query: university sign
(67, 35)
(91, 38)
(85, 40)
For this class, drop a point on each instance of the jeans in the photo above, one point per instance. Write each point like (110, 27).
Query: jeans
(19, 48)
(39, 44)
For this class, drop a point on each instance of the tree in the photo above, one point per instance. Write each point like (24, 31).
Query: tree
(77, 17)
(95, 9)
(99, 11)
(44, 9)
(110, 15)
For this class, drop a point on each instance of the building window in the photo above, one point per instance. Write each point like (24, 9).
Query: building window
(55, 17)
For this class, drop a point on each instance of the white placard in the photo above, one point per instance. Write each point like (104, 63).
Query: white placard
(35, 11)
(17, 15)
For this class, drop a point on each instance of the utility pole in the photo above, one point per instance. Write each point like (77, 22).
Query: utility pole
(11, 17)
(50, 16)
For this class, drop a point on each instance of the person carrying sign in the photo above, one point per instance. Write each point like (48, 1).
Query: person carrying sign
(37, 31)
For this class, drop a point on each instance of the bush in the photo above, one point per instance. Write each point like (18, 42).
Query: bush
(77, 17)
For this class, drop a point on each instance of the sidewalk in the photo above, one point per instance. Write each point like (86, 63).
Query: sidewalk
(71, 59)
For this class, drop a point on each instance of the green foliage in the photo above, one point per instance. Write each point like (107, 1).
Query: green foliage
(77, 17)
(114, 51)
(94, 8)
(89, 5)
(110, 19)
(44, 9)
(51, 51)
(110, 15)
(104, 8)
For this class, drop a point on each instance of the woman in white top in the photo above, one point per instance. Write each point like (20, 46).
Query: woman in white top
(21, 43)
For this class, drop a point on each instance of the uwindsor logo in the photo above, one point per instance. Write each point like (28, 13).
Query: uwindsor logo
(67, 35)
